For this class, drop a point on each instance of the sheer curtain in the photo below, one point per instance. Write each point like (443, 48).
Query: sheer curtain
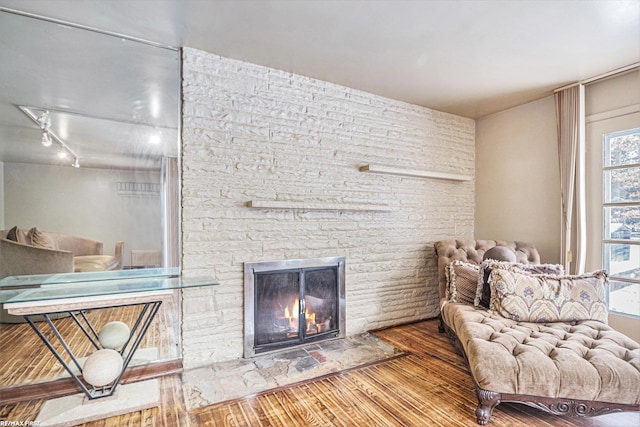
(570, 118)
(170, 212)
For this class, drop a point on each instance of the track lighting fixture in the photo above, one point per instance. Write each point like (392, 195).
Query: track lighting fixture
(46, 139)
(48, 136)
(44, 121)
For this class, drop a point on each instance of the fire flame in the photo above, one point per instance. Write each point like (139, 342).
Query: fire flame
(293, 316)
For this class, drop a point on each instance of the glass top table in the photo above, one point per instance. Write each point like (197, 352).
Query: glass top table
(43, 287)
(38, 297)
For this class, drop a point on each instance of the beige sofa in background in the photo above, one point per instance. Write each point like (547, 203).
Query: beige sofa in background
(70, 254)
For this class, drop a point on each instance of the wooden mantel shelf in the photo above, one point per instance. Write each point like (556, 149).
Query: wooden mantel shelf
(416, 173)
(316, 206)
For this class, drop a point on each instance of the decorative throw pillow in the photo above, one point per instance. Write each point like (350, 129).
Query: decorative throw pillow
(462, 280)
(483, 291)
(17, 235)
(40, 239)
(526, 297)
(500, 253)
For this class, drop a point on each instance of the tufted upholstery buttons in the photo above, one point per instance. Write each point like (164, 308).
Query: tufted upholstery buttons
(472, 251)
(587, 360)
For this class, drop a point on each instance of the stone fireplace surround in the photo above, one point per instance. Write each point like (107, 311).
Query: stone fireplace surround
(251, 133)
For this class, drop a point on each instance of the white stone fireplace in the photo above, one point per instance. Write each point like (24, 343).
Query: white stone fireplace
(289, 303)
(272, 170)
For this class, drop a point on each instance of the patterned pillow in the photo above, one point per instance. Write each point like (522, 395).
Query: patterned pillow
(527, 297)
(483, 291)
(462, 280)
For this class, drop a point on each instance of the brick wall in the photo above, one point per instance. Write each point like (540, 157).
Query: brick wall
(255, 133)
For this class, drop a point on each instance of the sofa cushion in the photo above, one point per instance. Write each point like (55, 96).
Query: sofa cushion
(462, 279)
(500, 253)
(94, 263)
(585, 360)
(17, 235)
(527, 297)
(483, 292)
(40, 239)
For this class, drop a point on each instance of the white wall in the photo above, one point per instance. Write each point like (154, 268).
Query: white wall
(251, 132)
(613, 93)
(83, 202)
(517, 177)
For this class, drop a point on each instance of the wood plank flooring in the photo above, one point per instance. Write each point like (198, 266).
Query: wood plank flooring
(430, 386)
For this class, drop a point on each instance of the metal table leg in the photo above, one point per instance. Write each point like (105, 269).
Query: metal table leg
(138, 331)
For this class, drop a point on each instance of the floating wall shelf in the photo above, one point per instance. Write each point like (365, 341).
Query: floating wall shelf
(316, 206)
(416, 173)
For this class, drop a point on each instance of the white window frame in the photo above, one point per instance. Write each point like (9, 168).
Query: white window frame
(606, 241)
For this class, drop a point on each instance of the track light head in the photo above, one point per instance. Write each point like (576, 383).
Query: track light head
(44, 121)
(46, 139)
(48, 136)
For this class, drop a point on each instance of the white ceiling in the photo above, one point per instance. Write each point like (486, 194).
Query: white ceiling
(108, 96)
(113, 102)
(467, 57)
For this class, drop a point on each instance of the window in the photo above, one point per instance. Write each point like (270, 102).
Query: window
(621, 219)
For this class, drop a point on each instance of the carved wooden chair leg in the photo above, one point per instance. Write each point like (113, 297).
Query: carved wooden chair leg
(487, 400)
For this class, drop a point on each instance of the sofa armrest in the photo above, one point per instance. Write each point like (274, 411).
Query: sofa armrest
(79, 246)
(19, 259)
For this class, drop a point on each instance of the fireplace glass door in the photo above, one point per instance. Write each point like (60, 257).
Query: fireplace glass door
(295, 306)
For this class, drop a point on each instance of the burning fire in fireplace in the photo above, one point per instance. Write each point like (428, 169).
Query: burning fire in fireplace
(292, 302)
(292, 321)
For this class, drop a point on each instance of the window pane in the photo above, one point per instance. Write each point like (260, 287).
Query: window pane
(622, 148)
(624, 297)
(621, 185)
(622, 223)
(622, 260)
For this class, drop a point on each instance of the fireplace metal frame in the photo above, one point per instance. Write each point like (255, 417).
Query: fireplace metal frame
(250, 268)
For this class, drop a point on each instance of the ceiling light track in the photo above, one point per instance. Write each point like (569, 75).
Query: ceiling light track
(105, 118)
(48, 136)
(87, 28)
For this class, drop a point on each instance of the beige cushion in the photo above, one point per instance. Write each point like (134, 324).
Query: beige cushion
(500, 253)
(40, 239)
(94, 263)
(17, 235)
(483, 292)
(525, 297)
(462, 280)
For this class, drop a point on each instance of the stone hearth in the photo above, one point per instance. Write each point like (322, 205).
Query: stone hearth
(237, 378)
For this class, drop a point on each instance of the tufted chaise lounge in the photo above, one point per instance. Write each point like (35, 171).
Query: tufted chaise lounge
(582, 368)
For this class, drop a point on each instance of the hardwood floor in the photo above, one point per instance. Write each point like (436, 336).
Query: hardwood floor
(430, 386)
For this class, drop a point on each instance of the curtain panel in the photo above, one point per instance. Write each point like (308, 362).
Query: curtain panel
(570, 119)
(170, 199)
